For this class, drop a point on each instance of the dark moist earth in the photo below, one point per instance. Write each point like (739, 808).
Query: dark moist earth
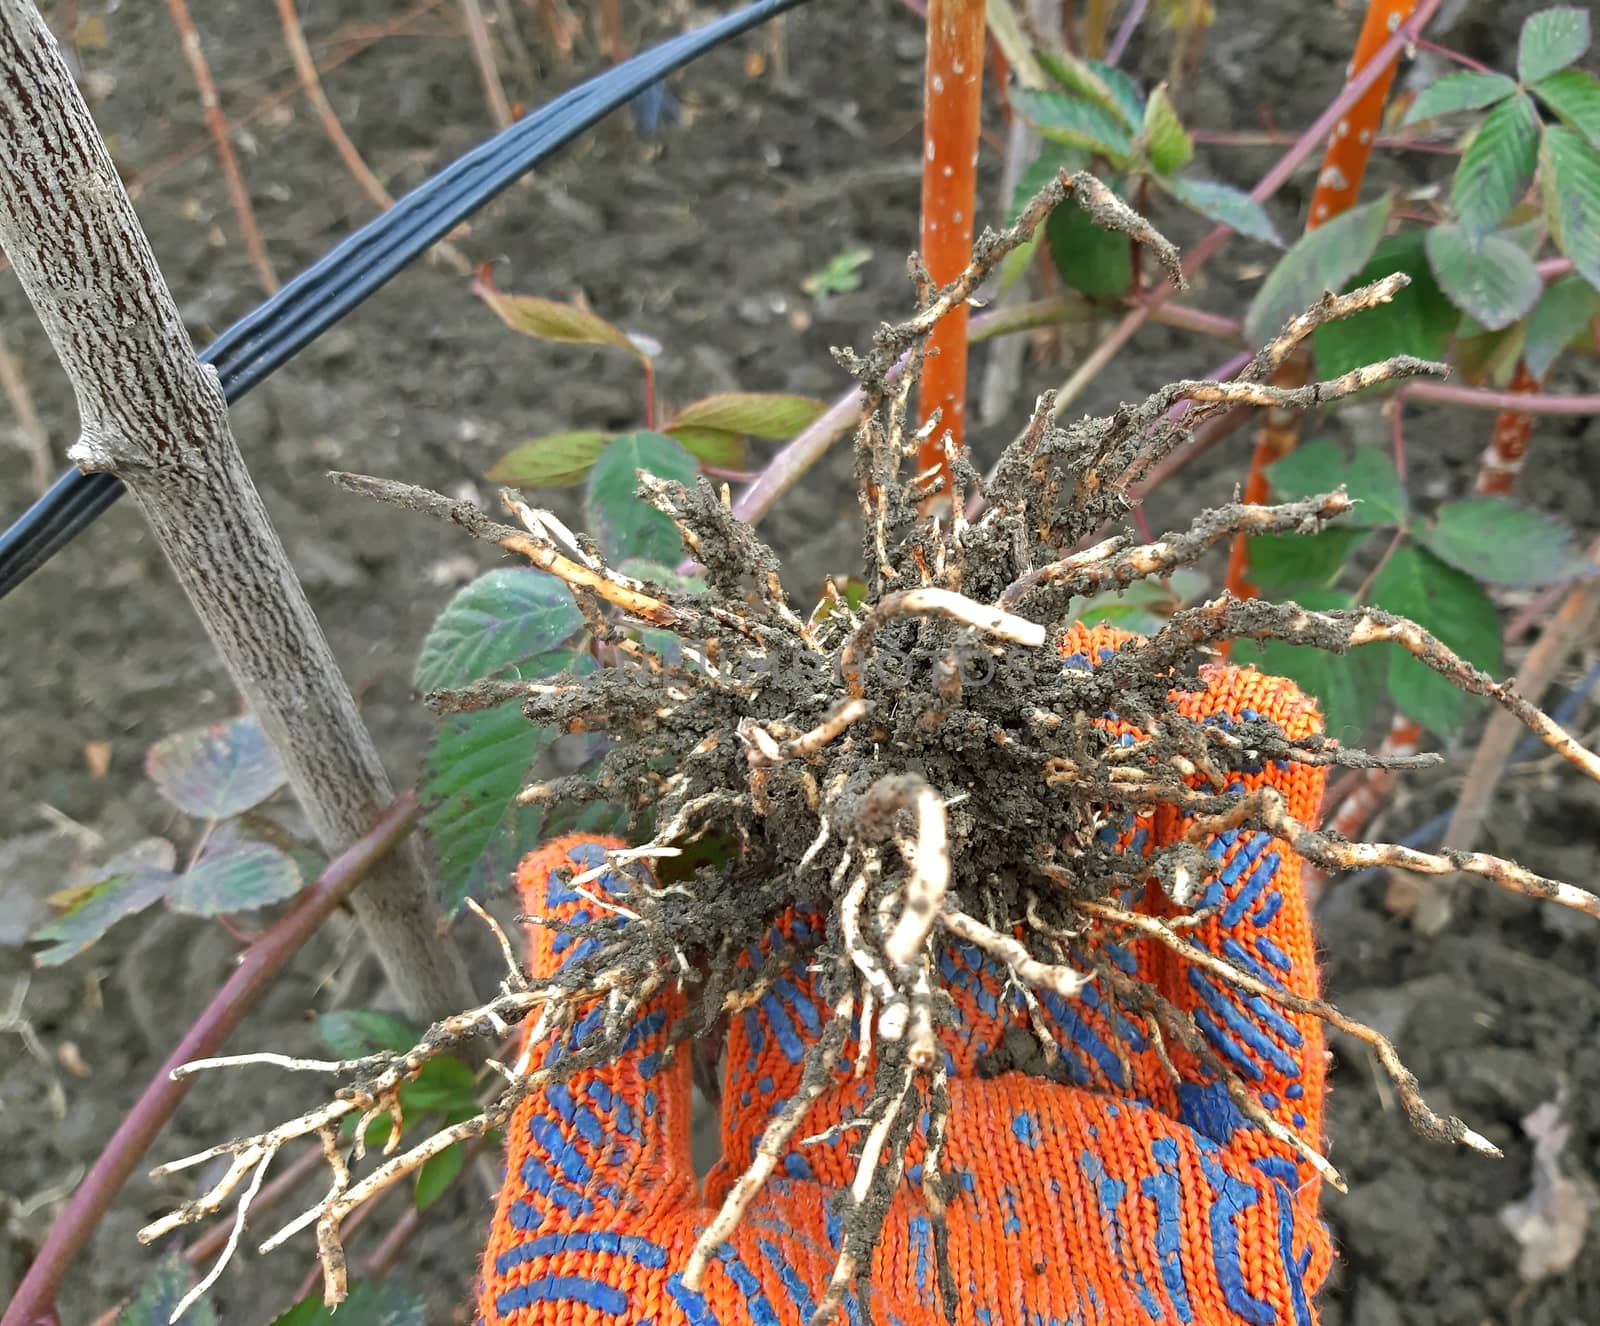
(699, 238)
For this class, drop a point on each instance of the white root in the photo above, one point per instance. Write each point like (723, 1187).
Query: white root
(1064, 981)
(929, 859)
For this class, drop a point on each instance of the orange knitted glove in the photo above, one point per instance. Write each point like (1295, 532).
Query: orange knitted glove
(1125, 1196)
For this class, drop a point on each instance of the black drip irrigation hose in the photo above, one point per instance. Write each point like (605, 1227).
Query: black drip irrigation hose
(307, 306)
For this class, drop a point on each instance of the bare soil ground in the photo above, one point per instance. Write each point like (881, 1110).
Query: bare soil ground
(699, 238)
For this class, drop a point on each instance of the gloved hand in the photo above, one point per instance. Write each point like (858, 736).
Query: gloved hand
(1124, 1197)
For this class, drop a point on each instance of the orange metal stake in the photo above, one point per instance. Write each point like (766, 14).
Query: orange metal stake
(954, 99)
(1344, 164)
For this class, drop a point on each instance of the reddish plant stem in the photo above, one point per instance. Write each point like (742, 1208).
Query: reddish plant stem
(1125, 31)
(650, 407)
(258, 967)
(217, 125)
(1458, 57)
(209, 1244)
(1277, 137)
(1220, 327)
(1397, 435)
(305, 68)
(1485, 398)
(953, 98)
(382, 1258)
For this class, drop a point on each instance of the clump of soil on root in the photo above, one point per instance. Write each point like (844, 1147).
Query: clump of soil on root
(926, 765)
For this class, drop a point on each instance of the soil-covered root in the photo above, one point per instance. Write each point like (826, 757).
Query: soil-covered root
(915, 766)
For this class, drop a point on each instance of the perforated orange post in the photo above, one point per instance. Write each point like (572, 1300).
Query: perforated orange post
(1350, 145)
(953, 97)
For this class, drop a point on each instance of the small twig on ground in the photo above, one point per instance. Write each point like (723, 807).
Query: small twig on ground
(35, 440)
(494, 92)
(217, 124)
(311, 84)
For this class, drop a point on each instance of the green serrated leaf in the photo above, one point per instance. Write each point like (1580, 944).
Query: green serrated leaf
(370, 1303)
(1468, 90)
(216, 771)
(1574, 95)
(235, 873)
(1417, 321)
(1560, 317)
(160, 1293)
(1282, 564)
(354, 1033)
(445, 1083)
(1143, 606)
(1489, 278)
(1166, 142)
(1225, 205)
(1321, 260)
(775, 416)
(1053, 158)
(495, 626)
(623, 524)
(1551, 39)
(1416, 584)
(474, 768)
(1095, 262)
(551, 320)
(1570, 179)
(437, 1174)
(1094, 81)
(1497, 167)
(128, 883)
(1488, 357)
(1124, 91)
(1368, 476)
(1067, 119)
(712, 446)
(558, 460)
(1493, 539)
(99, 909)
(1346, 687)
